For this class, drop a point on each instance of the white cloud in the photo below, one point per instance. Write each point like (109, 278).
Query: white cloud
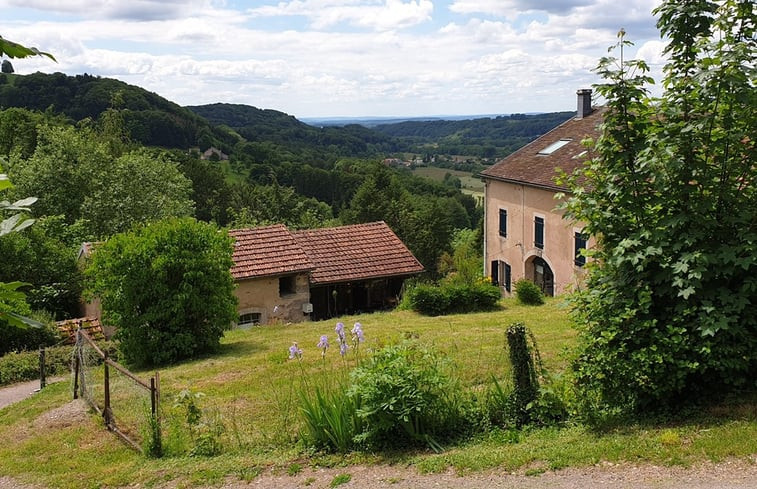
(346, 57)
(139, 10)
(509, 8)
(373, 14)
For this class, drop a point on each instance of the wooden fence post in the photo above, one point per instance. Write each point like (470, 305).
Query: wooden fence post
(42, 379)
(106, 410)
(77, 349)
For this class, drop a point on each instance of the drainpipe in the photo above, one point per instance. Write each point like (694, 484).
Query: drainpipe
(486, 191)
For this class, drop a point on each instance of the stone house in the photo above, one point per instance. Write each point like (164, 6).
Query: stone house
(525, 235)
(292, 276)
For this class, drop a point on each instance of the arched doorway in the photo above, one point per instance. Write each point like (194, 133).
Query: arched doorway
(543, 276)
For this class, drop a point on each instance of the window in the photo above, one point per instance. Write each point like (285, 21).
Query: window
(580, 244)
(501, 274)
(287, 285)
(554, 147)
(539, 232)
(249, 319)
(503, 223)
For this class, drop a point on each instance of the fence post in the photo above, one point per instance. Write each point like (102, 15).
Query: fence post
(106, 380)
(42, 379)
(77, 349)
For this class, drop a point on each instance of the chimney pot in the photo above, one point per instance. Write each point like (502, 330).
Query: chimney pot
(584, 103)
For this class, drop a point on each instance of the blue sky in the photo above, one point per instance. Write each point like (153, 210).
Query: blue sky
(314, 58)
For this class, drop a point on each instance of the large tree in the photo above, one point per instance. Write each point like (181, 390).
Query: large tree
(669, 313)
(167, 287)
(76, 175)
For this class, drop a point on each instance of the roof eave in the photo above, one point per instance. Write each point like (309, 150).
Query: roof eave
(553, 188)
(360, 279)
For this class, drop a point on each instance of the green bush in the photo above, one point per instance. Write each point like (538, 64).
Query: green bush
(428, 299)
(18, 367)
(168, 289)
(528, 293)
(437, 300)
(406, 397)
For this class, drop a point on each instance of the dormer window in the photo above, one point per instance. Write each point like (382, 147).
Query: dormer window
(554, 146)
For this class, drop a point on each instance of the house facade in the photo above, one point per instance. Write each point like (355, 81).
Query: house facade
(271, 272)
(525, 235)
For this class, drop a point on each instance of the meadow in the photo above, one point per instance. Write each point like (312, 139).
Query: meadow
(250, 390)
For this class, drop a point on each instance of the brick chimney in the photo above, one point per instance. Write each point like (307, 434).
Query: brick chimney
(584, 103)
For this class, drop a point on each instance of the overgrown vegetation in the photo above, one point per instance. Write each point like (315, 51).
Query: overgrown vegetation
(668, 316)
(167, 286)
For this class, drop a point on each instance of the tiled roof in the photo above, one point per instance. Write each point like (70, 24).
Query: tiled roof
(357, 252)
(266, 251)
(529, 167)
(91, 326)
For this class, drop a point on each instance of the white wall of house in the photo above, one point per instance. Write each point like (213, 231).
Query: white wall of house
(523, 204)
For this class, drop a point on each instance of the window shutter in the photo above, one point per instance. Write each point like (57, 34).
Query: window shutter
(508, 276)
(503, 222)
(539, 232)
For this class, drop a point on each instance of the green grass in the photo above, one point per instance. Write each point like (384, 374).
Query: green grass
(253, 389)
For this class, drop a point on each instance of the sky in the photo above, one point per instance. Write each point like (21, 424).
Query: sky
(339, 58)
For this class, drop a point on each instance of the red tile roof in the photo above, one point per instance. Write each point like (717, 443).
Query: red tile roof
(357, 252)
(266, 251)
(529, 167)
(91, 326)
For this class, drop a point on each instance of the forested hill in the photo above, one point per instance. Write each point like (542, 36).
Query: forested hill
(149, 118)
(272, 126)
(486, 137)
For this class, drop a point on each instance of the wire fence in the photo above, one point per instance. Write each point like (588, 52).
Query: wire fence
(129, 405)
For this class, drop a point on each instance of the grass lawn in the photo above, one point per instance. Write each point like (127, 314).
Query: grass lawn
(252, 388)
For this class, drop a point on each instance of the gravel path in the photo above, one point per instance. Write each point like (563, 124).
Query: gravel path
(22, 390)
(735, 474)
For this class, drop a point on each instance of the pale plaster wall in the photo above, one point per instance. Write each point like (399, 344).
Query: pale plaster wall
(262, 296)
(523, 203)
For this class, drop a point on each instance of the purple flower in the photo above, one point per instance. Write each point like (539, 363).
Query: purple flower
(340, 331)
(343, 348)
(295, 352)
(323, 345)
(357, 333)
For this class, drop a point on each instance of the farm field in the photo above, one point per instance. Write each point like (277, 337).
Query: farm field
(251, 388)
(470, 182)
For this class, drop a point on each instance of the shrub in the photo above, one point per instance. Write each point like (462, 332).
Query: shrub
(18, 367)
(528, 293)
(428, 299)
(406, 397)
(168, 289)
(449, 298)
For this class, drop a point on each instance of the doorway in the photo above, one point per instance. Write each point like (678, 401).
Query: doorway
(543, 276)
